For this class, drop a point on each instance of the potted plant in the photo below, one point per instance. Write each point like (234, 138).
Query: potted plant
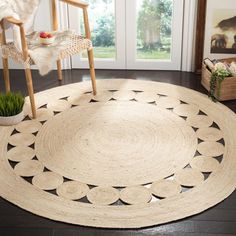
(219, 73)
(11, 108)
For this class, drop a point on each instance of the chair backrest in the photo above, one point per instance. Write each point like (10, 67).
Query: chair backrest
(54, 14)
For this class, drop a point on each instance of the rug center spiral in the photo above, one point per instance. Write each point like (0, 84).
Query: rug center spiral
(116, 143)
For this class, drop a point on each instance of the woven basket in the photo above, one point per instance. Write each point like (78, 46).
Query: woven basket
(228, 85)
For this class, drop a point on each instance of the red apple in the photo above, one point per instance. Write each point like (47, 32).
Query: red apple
(49, 36)
(43, 35)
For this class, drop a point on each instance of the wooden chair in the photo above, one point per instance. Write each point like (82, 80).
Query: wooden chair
(25, 55)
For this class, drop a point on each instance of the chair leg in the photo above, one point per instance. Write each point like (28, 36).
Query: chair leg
(6, 74)
(59, 70)
(30, 91)
(92, 71)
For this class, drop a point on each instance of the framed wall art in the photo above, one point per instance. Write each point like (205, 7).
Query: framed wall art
(216, 30)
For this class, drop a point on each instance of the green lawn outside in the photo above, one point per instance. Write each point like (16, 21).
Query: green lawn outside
(110, 52)
(103, 52)
(153, 55)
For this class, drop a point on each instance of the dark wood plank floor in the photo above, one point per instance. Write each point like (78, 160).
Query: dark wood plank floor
(220, 220)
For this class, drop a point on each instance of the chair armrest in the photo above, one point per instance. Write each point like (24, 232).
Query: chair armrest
(13, 20)
(20, 24)
(76, 3)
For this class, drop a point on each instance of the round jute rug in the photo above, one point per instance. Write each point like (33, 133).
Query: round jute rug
(137, 154)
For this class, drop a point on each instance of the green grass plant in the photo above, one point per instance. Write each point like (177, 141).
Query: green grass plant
(11, 104)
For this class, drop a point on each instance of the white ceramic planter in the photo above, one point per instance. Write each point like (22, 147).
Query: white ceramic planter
(11, 120)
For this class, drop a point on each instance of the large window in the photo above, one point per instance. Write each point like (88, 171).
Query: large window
(154, 26)
(102, 22)
(133, 34)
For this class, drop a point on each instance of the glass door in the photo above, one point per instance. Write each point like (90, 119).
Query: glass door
(107, 21)
(132, 34)
(154, 34)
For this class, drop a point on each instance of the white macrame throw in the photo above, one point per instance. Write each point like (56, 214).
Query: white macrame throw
(24, 10)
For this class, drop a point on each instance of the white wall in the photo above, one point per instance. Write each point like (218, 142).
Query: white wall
(43, 18)
(189, 32)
